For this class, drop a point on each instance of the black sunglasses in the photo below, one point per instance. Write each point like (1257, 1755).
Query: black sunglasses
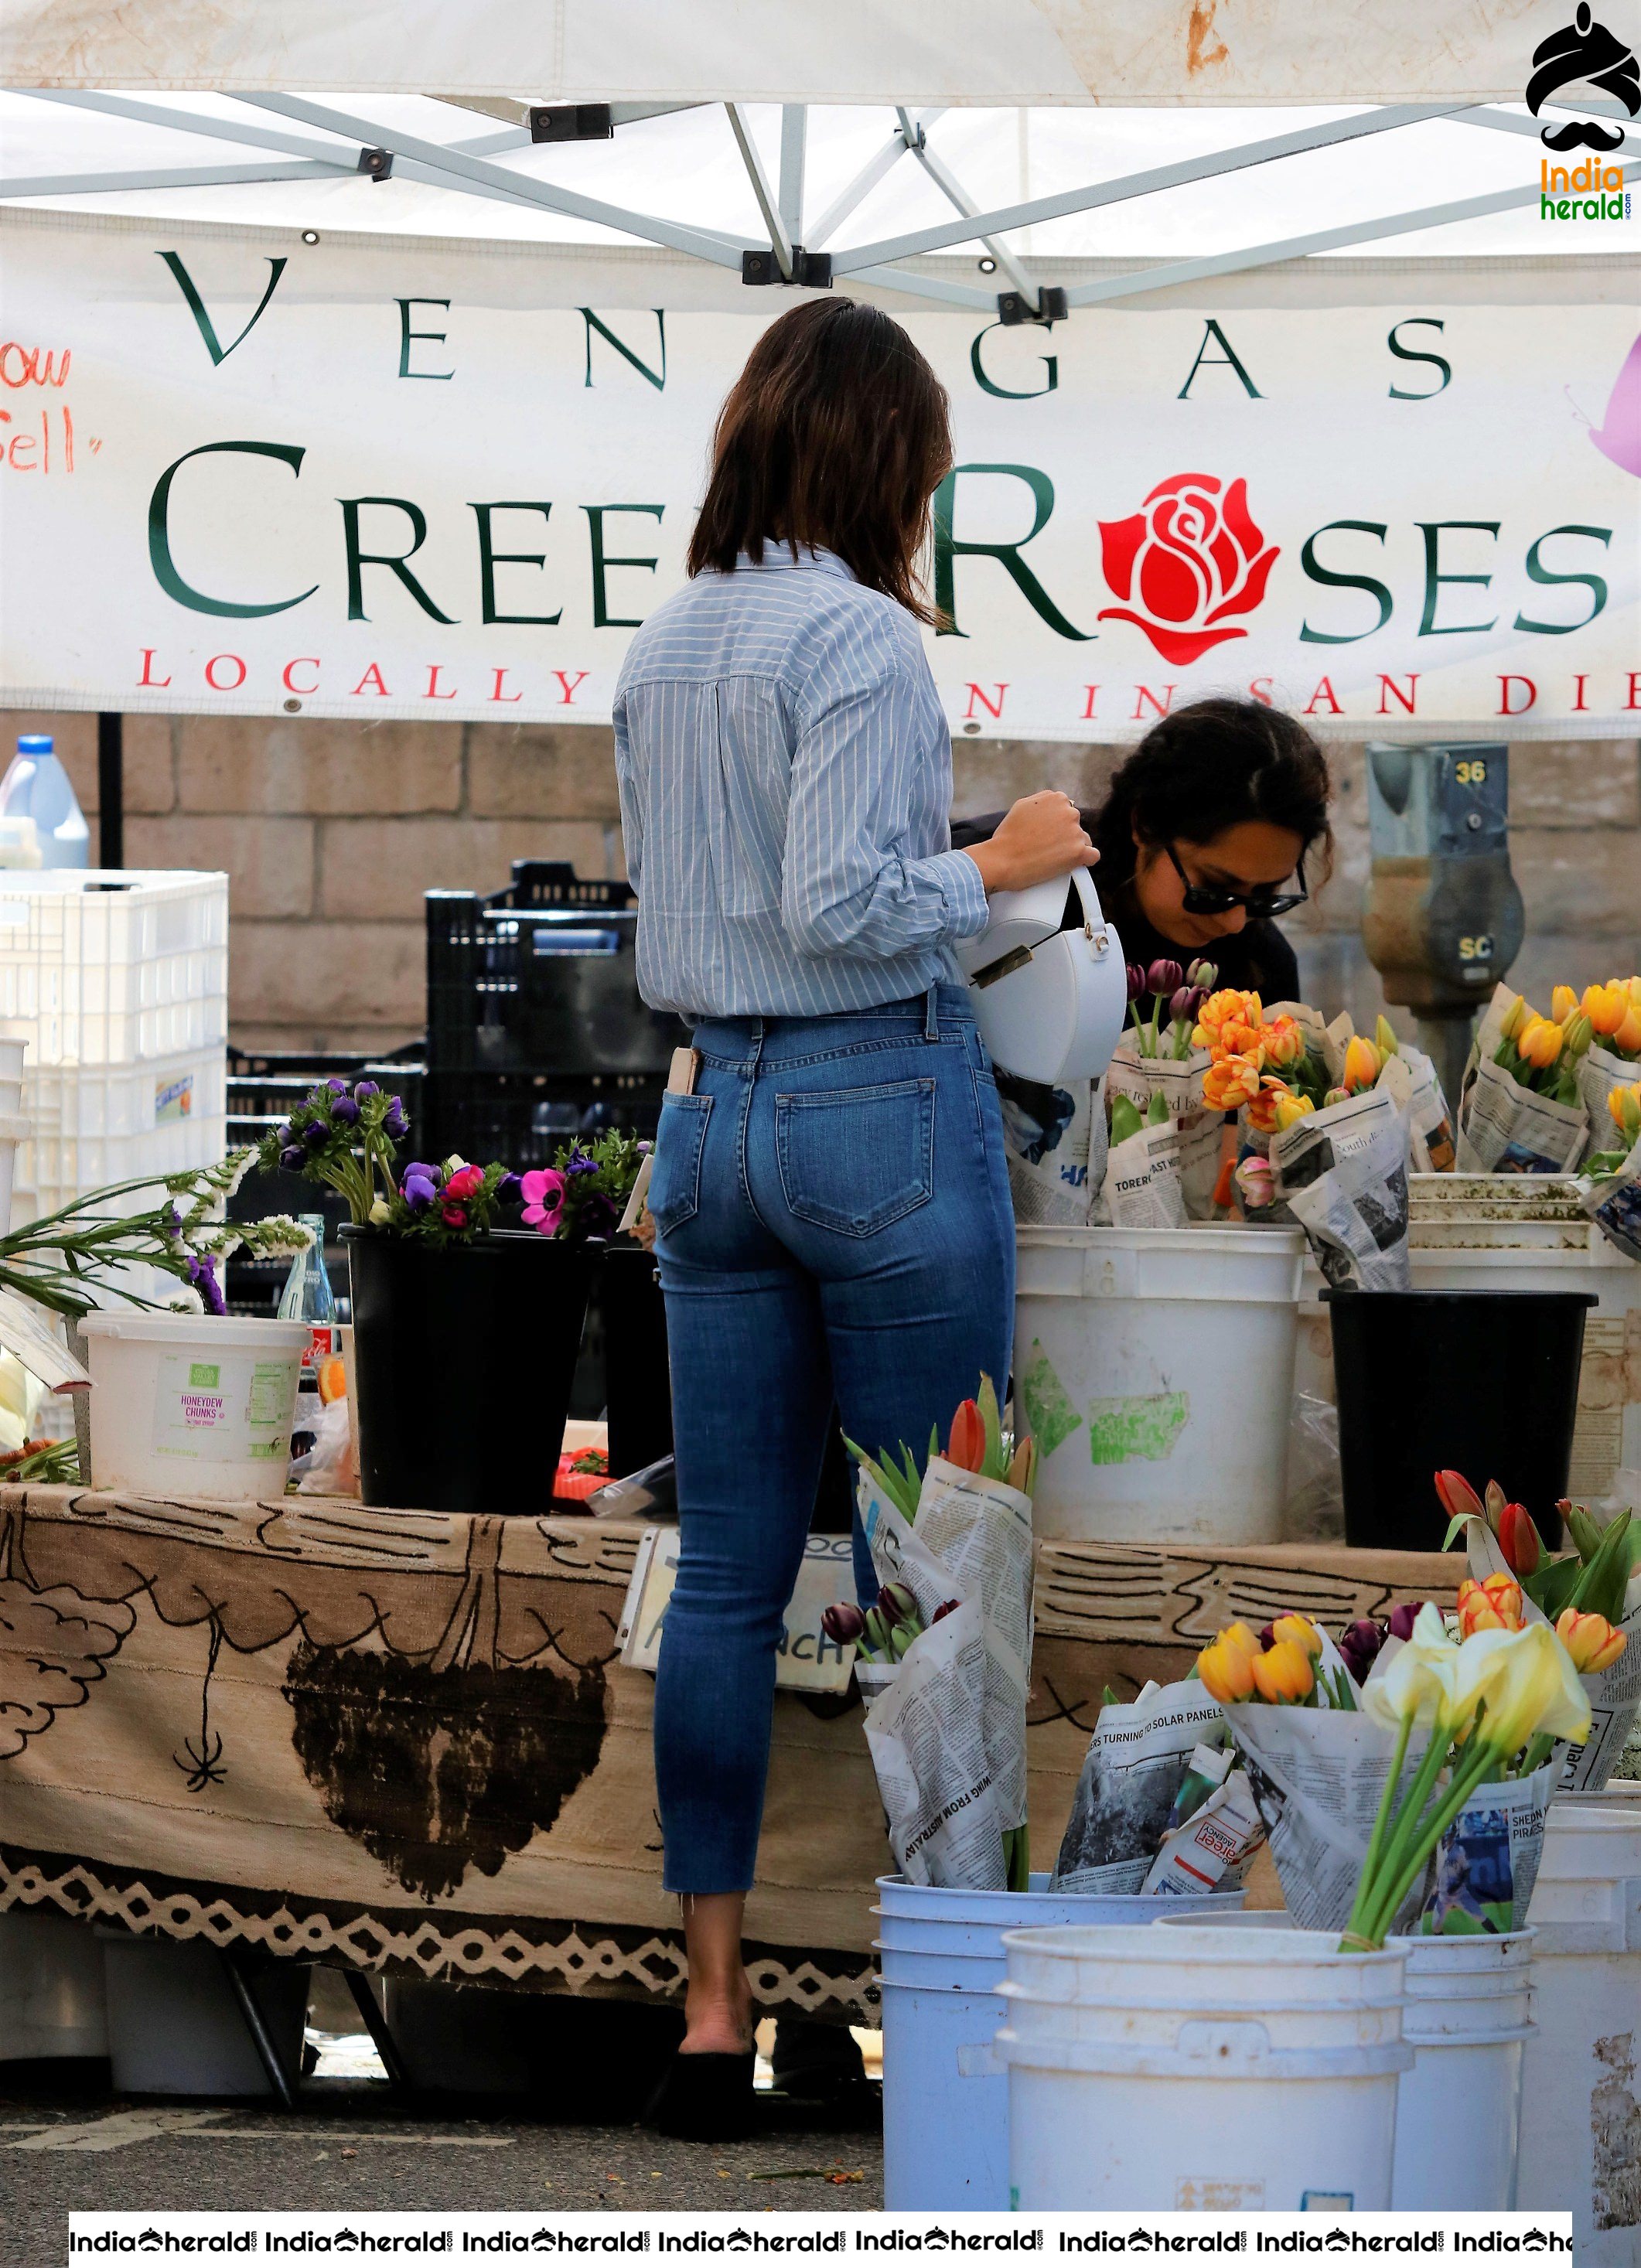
(1212, 898)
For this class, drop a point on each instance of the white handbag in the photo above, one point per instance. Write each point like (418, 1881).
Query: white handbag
(1050, 1002)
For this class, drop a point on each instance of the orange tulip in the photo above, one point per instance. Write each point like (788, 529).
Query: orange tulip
(968, 1445)
(1538, 1043)
(1563, 1002)
(1627, 1038)
(1285, 1041)
(1363, 1064)
(1623, 1104)
(1240, 1038)
(1262, 1110)
(1286, 1672)
(1590, 1639)
(1222, 1008)
(1495, 1604)
(1290, 1108)
(1606, 1005)
(1298, 1630)
(1225, 1670)
(1230, 1083)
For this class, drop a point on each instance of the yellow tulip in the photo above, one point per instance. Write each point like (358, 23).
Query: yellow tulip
(1495, 1604)
(1530, 1686)
(1286, 1672)
(1290, 1108)
(1298, 1630)
(1515, 1016)
(1225, 1670)
(1363, 1064)
(1229, 1083)
(1222, 1008)
(1563, 1002)
(1538, 1043)
(1627, 1037)
(1284, 1041)
(1577, 1032)
(1590, 1639)
(1623, 1104)
(1385, 1038)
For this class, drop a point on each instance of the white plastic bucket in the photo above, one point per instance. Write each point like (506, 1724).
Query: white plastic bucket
(945, 2103)
(13, 1130)
(197, 1404)
(175, 2025)
(1155, 1370)
(12, 1054)
(51, 1986)
(1202, 2069)
(1580, 2092)
(1468, 2019)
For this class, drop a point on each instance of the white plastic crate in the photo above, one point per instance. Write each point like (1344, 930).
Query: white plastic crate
(95, 1124)
(112, 966)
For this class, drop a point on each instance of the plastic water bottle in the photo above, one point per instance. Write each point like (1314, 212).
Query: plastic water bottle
(37, 787)
(308, 1299)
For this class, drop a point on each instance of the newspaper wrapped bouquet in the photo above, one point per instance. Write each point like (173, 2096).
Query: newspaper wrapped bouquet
(1609, 1185)
(1403, 1773)
(1591, 1595)
(946, 1649)
(1537, 1089)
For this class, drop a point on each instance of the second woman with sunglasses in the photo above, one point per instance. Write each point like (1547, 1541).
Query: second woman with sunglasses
(1214, 826)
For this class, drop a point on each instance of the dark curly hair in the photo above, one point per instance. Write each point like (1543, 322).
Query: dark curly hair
(1210, 766)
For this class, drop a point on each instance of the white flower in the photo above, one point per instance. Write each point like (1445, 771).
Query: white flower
(277, 1236)
(216, 1241)
(381, 1213)
(184, 1300)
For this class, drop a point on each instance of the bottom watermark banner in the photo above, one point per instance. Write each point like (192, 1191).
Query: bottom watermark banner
(1322, 2230)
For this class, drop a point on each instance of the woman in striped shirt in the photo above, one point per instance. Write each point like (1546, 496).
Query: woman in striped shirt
(831, 1199)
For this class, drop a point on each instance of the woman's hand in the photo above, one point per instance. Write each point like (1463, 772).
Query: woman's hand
(1041, 837)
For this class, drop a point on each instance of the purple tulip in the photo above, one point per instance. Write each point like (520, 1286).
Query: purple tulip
(1403, 1617)
(1135, 976)
(947, 1607)
(293, 1157)
(1181, 1004)
(365, 1089)
(1203, 973)
(843, 1625)
(509, 1189)
(1162, 977)
(897, 1603)
(344, 1111)
(1360, 1647)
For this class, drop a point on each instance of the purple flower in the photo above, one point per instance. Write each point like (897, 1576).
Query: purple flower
(1403, 1617)
(395, 1125)
(316, 1135)
(1135, 976)
(365, 1089)
(287, 1135)
(337, 1086)
(598, 1215)
(345, 1111)
(844, 1624)
(644, 1148)
(293, 1157)
(510, 1188)
(420, 1190)
(202, 1276)
(579, 1162)
(1360, 1647)
(1162, 977)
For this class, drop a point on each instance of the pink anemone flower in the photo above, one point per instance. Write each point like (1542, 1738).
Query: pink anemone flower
(543, 1194)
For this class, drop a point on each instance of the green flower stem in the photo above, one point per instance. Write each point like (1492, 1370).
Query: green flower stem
(1539, 1751)
(1376, 1840)
(1465, 1781)
(1403, 1828)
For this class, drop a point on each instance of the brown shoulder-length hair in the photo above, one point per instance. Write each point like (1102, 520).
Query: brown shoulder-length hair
(834, 435)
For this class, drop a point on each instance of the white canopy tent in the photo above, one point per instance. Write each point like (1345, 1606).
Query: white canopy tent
(1039, 165)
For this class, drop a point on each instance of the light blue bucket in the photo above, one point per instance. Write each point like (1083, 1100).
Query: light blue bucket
(946, 2100)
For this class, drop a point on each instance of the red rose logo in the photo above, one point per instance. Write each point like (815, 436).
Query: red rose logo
(1184, 561)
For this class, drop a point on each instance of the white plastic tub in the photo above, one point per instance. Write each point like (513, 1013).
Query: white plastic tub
(175, 2025)
(1200, 2070)
(1468, 2019)
(199, 1404)
(1579, 2109)
(945, 2103)
(1155, 1371)
(51, 1986)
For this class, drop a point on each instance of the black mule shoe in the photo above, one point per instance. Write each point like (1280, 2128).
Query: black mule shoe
(705, 2098)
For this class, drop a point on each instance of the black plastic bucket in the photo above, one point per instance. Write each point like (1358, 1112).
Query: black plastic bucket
(462, 1363)
(1484, 1382)
(637, 1384)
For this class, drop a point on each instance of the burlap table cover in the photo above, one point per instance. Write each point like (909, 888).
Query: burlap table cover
(401, 1740)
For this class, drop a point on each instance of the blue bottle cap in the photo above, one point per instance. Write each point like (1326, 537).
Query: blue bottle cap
(35, 744)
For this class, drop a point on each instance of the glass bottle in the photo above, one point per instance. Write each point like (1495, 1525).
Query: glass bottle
(308, 1298)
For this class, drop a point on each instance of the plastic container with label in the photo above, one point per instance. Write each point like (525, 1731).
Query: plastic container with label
(192, 1405)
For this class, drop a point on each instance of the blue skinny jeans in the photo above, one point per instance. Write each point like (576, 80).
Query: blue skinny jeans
(834, 1227)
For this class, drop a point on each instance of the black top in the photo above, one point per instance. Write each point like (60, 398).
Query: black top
(1256, 959)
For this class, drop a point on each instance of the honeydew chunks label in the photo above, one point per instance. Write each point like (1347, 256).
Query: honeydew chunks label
(223, 1409)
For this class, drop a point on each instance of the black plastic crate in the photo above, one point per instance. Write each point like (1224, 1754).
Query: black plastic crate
(524, 1117)
(540, 977)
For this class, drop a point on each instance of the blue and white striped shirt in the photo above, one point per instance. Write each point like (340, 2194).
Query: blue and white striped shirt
(785, 777)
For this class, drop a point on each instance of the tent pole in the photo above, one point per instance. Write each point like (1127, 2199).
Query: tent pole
(780, 240)
(794, 139)
(110, 788)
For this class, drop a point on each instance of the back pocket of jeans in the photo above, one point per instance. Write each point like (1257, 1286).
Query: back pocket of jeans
(675, 1179)
(856, 1160)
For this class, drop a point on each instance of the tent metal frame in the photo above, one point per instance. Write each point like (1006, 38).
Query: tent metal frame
(357, 145)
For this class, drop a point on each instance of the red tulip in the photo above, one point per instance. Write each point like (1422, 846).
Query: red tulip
(967, 1446)
(1518, 1539)
(1458, 1499)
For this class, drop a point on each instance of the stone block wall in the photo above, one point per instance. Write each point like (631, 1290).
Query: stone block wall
(331, 832)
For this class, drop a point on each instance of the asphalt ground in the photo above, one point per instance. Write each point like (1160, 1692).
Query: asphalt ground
(350, 2148)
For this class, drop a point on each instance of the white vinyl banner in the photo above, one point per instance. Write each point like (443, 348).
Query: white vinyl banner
(351, 481)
